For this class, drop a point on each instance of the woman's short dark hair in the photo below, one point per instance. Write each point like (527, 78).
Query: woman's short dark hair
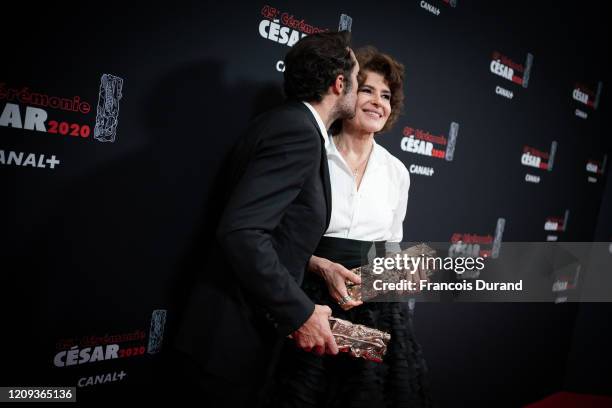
(313, 64)
(372, 60)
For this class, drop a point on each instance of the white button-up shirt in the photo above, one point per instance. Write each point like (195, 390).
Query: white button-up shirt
(376, 211)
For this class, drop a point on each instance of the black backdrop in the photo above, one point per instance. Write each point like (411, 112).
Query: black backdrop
(99, 250)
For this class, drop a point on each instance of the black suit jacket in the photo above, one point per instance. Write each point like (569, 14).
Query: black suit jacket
(249, 296)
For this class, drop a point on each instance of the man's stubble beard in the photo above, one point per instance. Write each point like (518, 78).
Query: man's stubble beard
(346, 108)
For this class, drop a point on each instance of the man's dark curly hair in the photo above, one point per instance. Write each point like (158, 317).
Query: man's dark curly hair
(313, 64)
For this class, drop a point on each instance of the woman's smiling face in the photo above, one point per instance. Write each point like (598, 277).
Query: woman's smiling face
(373, 103)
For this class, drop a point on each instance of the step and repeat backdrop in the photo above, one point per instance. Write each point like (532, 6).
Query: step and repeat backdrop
(115, 123)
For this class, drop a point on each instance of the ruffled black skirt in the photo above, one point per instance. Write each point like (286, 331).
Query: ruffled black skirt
(306, 380)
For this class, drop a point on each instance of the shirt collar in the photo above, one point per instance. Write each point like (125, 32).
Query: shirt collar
(319, 122)
(376, 157)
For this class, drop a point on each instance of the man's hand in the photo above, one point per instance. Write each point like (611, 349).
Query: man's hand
(315, 335)
(335, 276)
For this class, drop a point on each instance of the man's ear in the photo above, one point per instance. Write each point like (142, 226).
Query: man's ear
(338, 86)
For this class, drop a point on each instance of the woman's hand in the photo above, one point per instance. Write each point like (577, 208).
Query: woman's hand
(335, 277)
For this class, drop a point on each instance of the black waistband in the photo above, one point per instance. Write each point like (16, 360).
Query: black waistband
(349, 252)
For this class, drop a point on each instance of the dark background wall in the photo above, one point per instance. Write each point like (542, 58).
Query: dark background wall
(115, 231)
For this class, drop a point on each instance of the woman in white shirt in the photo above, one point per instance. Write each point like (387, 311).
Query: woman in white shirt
(369, 198)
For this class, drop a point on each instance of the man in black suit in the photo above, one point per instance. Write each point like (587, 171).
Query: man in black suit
(242, 308)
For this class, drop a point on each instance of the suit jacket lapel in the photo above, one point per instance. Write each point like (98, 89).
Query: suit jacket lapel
(326, 183)
(324, 168)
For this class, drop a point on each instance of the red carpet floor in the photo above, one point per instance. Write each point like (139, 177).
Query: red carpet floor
(571, 400)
